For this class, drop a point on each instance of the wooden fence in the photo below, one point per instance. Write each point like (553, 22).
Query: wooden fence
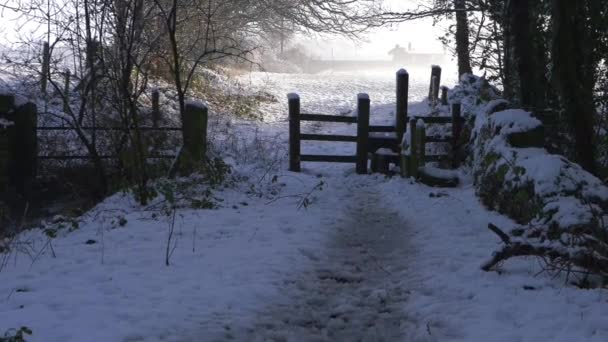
(366, 139)
(19, 152)
(295, 136)
(372, 138)
(418, 140)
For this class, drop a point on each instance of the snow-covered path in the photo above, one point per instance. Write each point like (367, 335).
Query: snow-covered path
(353, 289)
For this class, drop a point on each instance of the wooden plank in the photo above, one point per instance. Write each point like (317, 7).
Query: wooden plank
(328, 137)
(384, 129)
(327, 118)
(328, 158)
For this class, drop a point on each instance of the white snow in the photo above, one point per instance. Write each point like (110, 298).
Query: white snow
(371, 258)
(514, 121)
(5, 123)
(385, 152)
(196, 103)
(439, 173)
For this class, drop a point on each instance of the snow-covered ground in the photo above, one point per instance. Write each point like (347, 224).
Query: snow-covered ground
(370, 258)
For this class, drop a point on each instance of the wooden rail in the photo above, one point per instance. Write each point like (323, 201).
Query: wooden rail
(327, 118)
(382, 129)
(328, 158)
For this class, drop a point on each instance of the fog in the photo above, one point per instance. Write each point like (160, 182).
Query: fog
(421, 35)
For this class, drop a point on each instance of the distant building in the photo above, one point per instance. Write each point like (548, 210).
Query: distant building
(399, 53)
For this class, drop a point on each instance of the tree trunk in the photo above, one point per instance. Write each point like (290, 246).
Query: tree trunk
(524, 55)
(462, 38)
(571, 63)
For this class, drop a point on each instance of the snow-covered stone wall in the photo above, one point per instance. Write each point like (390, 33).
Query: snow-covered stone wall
(555, 200)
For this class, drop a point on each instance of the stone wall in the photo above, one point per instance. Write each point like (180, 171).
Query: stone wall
(552, 199)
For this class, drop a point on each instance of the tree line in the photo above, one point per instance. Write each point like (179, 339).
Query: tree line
(549, 56)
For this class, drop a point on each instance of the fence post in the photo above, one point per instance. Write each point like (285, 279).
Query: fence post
(363, 109)
(46, 66)
(194, 130)
(24, 149)
(155, 108)
(66, 91)
(402, 93)
(420, 144)
(294, 132)
(5, 157)
(7, 102)
(412, 166)
(6, 105)
(434, 91)
(456, 131)
(444, 96)
(435, 71)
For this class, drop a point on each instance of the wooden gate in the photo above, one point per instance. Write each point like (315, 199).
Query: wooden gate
(368, 138)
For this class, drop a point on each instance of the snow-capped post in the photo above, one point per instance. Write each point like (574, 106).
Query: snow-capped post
(66, 91)
(294, 132)
(363, 108)
(24, 148)
(435, 71)
(444, 96)
(456, 131)
(46, 66)
(194, 130)
(403, 79)
(412, 165)
(155, 108)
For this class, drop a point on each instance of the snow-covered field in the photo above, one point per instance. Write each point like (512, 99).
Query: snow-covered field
(369, 259)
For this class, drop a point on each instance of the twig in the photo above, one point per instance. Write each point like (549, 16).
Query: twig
(168, 250)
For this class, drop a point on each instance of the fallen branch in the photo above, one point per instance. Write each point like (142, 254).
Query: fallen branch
(502, 235)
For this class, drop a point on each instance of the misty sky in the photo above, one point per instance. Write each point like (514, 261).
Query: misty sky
(421, 34)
